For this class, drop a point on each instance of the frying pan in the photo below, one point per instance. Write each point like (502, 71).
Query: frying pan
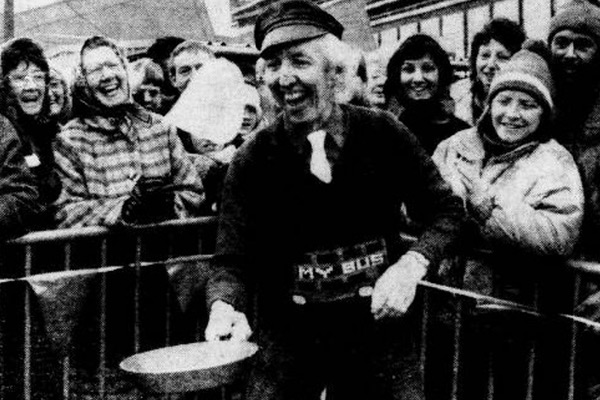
(189, 367)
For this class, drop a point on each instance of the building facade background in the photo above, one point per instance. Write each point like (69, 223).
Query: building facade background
(455, 22)
(369, 23)
(452, 22)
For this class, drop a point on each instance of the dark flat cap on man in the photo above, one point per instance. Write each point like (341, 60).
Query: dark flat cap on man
(293, 21)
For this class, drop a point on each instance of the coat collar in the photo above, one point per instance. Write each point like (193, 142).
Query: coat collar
(472, 149)
(123, 125)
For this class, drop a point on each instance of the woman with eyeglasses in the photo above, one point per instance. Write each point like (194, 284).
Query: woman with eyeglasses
(25, 102)
(119, 163)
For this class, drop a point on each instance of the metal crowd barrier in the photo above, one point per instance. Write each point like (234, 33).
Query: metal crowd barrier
(113, 270)
(75, 302)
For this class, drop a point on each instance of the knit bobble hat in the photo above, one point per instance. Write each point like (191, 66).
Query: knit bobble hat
(527, 72)
(579, 16)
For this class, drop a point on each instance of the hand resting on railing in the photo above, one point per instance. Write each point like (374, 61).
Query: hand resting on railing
(395, 290)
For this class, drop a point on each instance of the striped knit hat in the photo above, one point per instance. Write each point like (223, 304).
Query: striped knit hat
(527, 72)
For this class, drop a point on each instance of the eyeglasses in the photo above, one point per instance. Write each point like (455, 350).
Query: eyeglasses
(97, 70)
(38, 78)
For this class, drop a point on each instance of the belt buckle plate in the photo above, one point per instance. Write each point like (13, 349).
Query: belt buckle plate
(341, 273)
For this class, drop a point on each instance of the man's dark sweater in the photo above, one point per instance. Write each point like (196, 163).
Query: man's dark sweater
(274, 209)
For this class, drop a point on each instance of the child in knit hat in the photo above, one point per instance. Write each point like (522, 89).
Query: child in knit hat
(523, 194)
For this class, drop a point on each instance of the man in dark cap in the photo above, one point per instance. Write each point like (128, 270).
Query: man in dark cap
(309, 229)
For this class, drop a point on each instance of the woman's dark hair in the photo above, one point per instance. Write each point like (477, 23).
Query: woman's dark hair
(148, 72)
(506, 32)
(414, 48)
(15, 52)
(22, 50)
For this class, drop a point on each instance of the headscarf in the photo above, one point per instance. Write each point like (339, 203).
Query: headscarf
(86, 105)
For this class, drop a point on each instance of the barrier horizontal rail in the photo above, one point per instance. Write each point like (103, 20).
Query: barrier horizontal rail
(56, 235)
(68, 236)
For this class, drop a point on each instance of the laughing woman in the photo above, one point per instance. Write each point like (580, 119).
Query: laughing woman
(25, 102)
(524, 197)
(417, 88)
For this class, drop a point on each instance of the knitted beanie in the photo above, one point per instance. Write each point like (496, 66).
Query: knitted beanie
(579, 16)
(527, 72)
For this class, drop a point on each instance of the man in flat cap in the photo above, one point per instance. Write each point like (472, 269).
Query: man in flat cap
(309, 229)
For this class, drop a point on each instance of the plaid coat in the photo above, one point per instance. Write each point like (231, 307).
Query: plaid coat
(100, 162)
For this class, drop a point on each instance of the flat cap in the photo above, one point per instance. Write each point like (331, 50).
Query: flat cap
(291, 21)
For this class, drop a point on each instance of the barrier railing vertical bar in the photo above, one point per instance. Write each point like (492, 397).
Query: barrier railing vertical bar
(424, 326)
(574, 331)
(199, 334)
(102, 321)
(490, 375)
(136, 292)
(460, 264)
(66, 361)
(2, 355)
(168, 297)
(532, 350)
(457, 320)
(27, 328)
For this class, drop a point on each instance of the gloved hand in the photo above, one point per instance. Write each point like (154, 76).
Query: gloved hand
(150, 201)
(480, 202)
(213, 182)
(225, 323)
(395, 290)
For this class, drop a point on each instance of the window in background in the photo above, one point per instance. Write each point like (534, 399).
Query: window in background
(507, 9)
(477, 18)
(408, 30)
(431, 27)
(389, 37)
(536, 18)
(454, 32)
